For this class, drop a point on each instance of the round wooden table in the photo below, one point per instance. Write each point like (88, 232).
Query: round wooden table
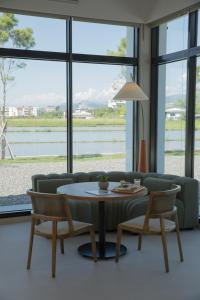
(79, 191)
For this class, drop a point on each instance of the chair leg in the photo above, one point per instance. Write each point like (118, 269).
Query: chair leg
(93, 242)
(178, 238)
(62, 248)
(54, 241)
(31, 244)
(164, 243)
(139, 241)
(118, 243)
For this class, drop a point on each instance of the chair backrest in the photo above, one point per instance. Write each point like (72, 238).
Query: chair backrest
(161, 203)
(52, 206)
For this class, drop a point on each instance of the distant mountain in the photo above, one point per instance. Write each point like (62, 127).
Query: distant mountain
(92, 104)
(85, 104)
(173, 98)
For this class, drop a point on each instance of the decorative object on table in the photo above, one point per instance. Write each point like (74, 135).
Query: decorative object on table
(132, 92)
(103, 182)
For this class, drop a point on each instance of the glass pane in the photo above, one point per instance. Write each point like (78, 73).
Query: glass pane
(171, 118)
(32, 117)
(102, 39)
(173, 36)
(198, 29)
(100, 125)
(28, 32)
(197, 125)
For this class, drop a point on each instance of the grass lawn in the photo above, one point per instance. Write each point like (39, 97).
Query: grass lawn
(56, 122)
(37, 122)
(179, 124)
(55, 159)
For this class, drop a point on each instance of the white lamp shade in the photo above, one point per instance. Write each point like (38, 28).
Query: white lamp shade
(131, 92)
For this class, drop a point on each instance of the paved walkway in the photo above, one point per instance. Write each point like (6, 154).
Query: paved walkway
(15, 179)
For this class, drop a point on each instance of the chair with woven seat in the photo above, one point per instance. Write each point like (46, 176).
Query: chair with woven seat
(157, 220)
(51, 218)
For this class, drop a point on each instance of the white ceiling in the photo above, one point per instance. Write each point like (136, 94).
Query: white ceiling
(132, 11)
(163, 8)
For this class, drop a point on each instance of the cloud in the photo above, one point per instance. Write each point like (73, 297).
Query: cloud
(94, 95)
(176, 85)
(54, 98)
(43, 99)
(103, 95)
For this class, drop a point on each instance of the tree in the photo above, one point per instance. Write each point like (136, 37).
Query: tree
(10, 34)
(121, 50)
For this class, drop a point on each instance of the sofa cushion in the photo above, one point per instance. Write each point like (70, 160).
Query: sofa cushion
(157, 184)
(51, 185)
(81, 177)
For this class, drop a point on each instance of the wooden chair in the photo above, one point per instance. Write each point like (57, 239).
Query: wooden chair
(51, 218)
(160, 209)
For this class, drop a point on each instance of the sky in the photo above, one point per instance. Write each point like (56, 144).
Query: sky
(43, 83)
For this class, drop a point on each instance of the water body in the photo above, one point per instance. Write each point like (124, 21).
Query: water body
(40, 141)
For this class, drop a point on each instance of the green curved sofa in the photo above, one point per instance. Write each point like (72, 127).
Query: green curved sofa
(119, 211)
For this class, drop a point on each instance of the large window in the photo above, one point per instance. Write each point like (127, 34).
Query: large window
(99, 123)
(173, 35)
(102, 39)
(23, 26)
(197, 124)
(56, 109)
(35, 127)
(171, 117)
(175, 97)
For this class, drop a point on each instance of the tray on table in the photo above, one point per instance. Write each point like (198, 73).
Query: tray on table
(129, 189)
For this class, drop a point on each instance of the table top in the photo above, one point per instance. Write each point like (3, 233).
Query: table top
(79, 191)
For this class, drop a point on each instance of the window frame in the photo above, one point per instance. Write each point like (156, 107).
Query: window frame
(190, 55)
(69, 58)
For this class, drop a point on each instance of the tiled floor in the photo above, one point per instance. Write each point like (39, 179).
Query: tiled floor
(137, 276)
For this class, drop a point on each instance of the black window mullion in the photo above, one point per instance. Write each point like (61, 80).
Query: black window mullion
(154, 101)
(191, 95)
(171, 57)
(104, 59)
(33, 54)
(135, 129)
(69, 100)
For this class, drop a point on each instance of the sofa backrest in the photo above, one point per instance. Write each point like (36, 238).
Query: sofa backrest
(189, 186)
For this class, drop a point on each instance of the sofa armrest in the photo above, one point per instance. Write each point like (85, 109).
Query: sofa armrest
(189, 195)
(37, 177)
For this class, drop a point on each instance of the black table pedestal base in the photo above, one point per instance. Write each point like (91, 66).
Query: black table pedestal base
(109, 250)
